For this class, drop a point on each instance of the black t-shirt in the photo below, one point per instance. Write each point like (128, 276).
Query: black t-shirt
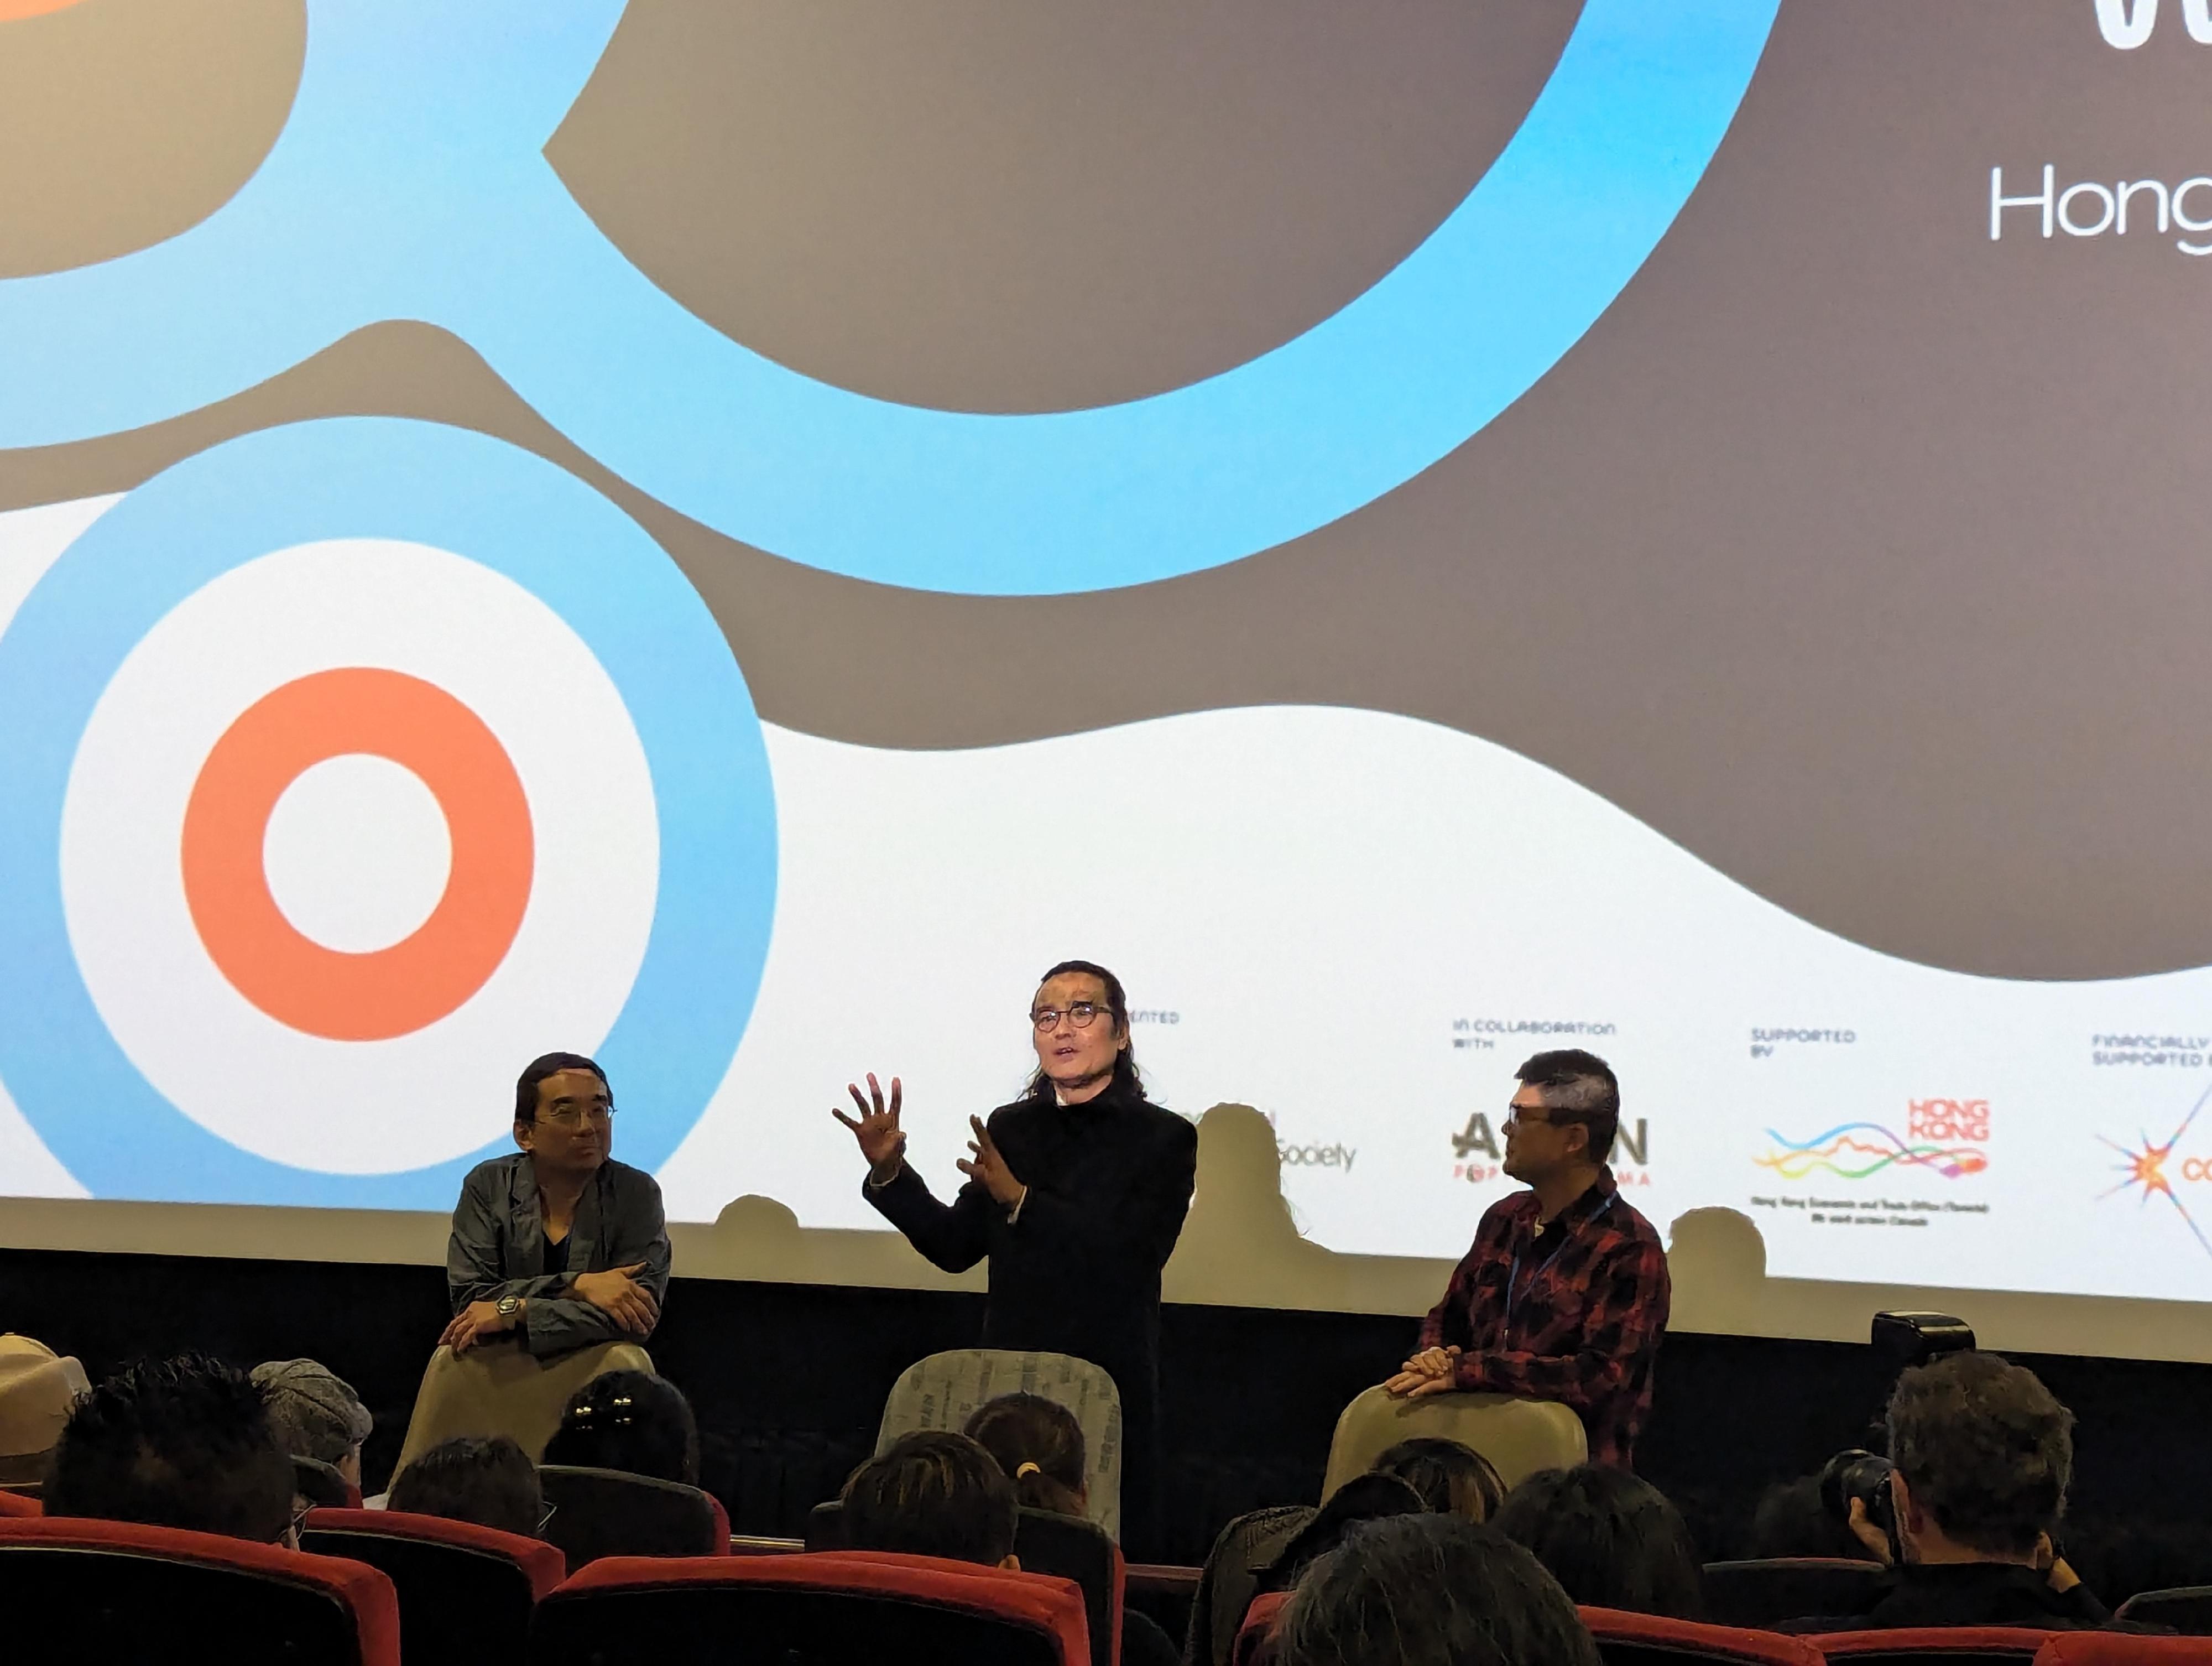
(1969, 1594)
(557, 1258)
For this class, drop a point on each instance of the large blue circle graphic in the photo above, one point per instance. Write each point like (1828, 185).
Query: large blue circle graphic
(410, 183)
(495, 504)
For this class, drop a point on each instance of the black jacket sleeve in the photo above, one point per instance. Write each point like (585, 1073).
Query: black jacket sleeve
(954, 1236)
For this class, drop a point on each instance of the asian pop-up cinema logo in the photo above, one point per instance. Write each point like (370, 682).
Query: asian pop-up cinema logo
(1481, 1152)
(1942, 1138)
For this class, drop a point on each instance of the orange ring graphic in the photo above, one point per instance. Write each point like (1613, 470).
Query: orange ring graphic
(417, 981)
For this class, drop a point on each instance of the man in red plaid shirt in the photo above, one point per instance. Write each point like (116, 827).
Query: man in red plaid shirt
(1563, 1295)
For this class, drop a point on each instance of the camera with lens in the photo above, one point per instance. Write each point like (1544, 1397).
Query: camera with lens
(1859, 1474)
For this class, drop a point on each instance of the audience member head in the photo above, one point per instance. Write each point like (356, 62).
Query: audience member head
(1611, 1541)
(564, 1113)
(315, 1412)
(485, 1479)
(1793, 1519)
(1983, 1453)
(1367, 1497)
(37, 1388)
(176, 1443)
(1565, 1113)
(1430, 1591)
(933, 1493)
(1039, 1445)
(1451, 1478)
(632, 1421)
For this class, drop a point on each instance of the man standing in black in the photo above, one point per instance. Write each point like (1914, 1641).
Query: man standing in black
(1077, 1192)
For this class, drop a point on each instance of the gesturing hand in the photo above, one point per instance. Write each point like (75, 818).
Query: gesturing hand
(617, 1294)
(883, 1141)
(986, 1165)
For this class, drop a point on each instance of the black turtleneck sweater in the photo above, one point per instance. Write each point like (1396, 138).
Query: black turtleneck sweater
(1078, 1270)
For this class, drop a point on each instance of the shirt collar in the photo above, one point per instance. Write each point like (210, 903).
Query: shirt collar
(1600, 1193)
(1111, 1094)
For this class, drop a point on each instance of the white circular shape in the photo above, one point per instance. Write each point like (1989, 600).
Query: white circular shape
(358, 1107)
(357, 853)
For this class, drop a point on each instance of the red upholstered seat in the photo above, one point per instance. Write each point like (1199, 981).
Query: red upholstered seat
(1255, 1638)
(841, 1605)
(76, 1589)
(2121, 1649)
(1044, 1543)
(541, 1564)
(466, 1592)
(1646, 1639)
(1934, 1646)
(721, 1525)
(15, 1503)
(611, 1512)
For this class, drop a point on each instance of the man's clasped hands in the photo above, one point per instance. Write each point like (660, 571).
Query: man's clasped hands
(1432, 1371)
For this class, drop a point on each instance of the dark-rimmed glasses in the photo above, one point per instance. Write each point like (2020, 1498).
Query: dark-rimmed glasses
(568, 1113)
(1082, 1014)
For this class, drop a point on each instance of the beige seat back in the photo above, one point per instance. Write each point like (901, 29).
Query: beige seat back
(498, 1388)
(940, 1391)
(1519, 1437)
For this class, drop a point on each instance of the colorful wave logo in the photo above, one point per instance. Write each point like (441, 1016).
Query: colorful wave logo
(1852, 1151)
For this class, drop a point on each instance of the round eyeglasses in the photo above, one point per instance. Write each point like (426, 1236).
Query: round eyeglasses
(1083, 1014)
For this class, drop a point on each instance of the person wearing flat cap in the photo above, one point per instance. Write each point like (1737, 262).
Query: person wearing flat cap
(38, 1389)
(316, 1414)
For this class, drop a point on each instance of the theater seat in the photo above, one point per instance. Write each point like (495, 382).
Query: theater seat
(15, 1503)
(1646, 1639)
(499, 1388)
(939, 1392)
(1519, 1437)
(1954, 1646)
(826, 1609)
(2121, 1649)
(1769, 1591)
(2185, 1608)
(466, 1592)
(611, 1512)
(72, 1588)
(1044, 1543)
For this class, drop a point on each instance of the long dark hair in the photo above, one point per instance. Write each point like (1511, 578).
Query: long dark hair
(1127, 1076)
(633, 1420)
(1026, 1431)
(1430, 1591)
(1448, 1475)
(1612, 1541)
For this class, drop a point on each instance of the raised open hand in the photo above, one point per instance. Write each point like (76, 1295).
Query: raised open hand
(882, 1140)
(986, 1165)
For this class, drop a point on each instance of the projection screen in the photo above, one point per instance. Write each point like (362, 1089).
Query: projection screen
(730, 538)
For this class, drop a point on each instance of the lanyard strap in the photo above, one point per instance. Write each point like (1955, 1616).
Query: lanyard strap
(1513, 1273)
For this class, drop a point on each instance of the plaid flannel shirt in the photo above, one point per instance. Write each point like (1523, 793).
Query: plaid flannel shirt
(1581, 1321)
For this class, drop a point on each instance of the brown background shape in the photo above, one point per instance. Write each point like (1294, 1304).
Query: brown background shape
(1857, 553)
(123, 122)
(981, 205)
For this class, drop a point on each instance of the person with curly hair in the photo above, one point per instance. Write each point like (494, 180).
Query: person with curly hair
(176, 1443)
(1981, 1455)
